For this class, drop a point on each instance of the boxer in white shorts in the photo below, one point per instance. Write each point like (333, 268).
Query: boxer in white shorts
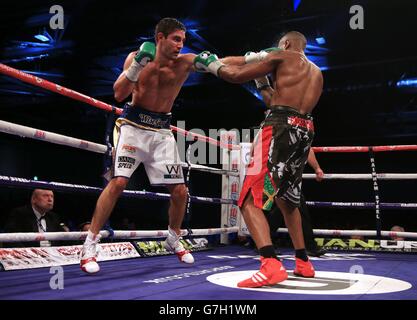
(155, 148)
(153, 76)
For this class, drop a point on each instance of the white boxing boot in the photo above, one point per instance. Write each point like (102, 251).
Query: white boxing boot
(88, 259)
(172, 243)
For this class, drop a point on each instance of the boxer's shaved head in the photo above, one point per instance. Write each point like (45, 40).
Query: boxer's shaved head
(294, 40)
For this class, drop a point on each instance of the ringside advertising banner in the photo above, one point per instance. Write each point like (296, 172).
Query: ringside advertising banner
(367, 245)
(38, 257)
(156, 248)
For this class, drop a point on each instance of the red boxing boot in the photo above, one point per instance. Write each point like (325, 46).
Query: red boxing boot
(272, 272)
(304, 268)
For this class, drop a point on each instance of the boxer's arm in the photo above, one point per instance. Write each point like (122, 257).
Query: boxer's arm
(123, 87)
(249, 57)
(266, 94)
(189, 61)
(236, 60)
(264, 87)
(134, 64)
(314, 164)
(250, 71)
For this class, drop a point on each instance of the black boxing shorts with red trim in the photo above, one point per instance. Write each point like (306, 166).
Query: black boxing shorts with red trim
(279, 154)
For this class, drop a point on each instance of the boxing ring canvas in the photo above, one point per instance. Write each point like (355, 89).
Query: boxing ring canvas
(340, 276)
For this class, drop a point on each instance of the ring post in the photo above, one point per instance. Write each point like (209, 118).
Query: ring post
(230, 184)
(376, 193)
(245, 154)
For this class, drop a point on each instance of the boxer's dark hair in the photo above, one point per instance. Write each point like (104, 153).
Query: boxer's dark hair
(168, 25)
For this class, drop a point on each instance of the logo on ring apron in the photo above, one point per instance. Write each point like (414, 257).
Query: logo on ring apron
(174, 171)
(324, 283)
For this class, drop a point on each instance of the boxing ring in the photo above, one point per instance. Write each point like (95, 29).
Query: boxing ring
(131, 270)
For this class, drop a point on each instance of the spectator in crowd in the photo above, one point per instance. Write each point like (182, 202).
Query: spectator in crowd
(397, 229)
(357, 237)
(35, 217)
(85, 226)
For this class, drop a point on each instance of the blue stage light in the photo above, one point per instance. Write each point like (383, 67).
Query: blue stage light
(41, 37)
(407, 83)
(296, 4)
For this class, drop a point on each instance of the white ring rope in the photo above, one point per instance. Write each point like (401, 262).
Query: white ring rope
(363, 176)
(120, 234)
(28, 132)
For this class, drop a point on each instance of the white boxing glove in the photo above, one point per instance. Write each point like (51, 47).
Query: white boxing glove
(262, 83)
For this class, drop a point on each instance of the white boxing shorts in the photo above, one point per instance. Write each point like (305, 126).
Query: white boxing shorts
(156, 149)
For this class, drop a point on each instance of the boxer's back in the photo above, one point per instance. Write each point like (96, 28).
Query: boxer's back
(298, 82)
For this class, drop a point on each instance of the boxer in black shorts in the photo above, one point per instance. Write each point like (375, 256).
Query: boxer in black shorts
(281, 149)
(286, 137)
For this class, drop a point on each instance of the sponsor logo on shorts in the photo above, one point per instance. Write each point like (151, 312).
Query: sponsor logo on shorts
(174, 171)
(126, 162)
(154, 122)
(129, 148)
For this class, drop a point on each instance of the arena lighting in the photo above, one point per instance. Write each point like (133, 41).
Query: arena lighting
(321, 40)
(41, 37)
(407, 83)
(28, 58)
(44, 37)
(296, 3)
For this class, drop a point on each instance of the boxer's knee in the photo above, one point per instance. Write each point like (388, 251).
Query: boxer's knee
(248, 202)
(118, 184)
(179, 194)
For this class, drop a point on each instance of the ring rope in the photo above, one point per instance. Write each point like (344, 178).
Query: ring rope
(363, 176)
(64, 236)
(60, 186)
(28, 132)
(366, 233)
(361, 205)
(33, 133)
(45, 84)
(366, 149)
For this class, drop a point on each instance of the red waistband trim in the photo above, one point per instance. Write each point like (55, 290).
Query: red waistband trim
(304, 123)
